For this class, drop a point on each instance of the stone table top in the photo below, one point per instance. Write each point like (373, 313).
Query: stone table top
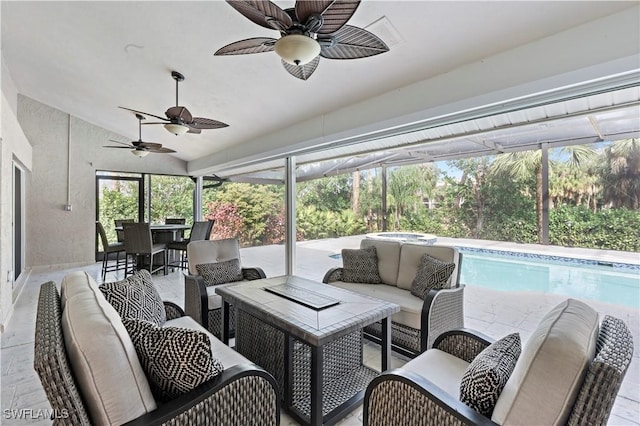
(313, 326)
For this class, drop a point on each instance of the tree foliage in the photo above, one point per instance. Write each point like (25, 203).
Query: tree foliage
(594, 200)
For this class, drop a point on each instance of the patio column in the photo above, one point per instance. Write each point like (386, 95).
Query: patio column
(197, 200)
(545, 193)
(384, 198)
(290, 214)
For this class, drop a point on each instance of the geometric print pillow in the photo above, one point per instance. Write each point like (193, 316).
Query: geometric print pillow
(175, 360)
(360, 265)
(432, 274)
(136, 297)
(487, 374)
(220, 272)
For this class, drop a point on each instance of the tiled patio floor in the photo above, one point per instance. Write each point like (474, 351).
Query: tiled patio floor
(492, 312)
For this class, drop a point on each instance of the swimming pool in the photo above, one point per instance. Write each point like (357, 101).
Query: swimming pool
(619, 286)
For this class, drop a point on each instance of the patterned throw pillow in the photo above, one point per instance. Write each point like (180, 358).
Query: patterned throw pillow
(136, 297)
(360, 265)
(220, 272)
(176, 360)
(487, 374)
(432, 274)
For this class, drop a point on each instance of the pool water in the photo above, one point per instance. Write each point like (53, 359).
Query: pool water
(594, 282)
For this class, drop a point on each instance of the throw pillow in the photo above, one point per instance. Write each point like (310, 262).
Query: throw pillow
(432, 274)
(360, 265)
(136, 297)
(487, 374)
(220, 272)
(175, 360)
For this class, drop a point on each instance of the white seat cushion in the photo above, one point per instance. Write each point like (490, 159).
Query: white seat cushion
(208, 251)
(548, 375)
(410, 306)
(442, 369)
(410, 256)
(102, 356)
(388, 258)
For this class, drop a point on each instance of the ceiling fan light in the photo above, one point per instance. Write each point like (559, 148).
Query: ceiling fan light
(297, 49)
(176, 129)
(139, 152)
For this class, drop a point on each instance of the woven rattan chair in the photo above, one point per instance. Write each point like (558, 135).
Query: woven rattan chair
(241, 395)
(199, 231)
(407, 397)
(120, 232)
(109, 248)
(201, 301)
(138, 243)
(416, 326)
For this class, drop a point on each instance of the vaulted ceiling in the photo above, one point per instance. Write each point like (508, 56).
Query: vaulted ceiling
(88, 58)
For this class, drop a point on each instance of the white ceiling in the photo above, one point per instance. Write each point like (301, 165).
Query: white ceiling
(88, 58)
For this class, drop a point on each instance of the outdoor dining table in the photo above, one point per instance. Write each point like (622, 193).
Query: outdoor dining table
(164, 233)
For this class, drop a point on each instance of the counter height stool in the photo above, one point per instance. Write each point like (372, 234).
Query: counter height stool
(199, 231)
(139, 243)
(107, 249)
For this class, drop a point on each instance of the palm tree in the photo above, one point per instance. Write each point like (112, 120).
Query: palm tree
(520, 165)
(620, 174)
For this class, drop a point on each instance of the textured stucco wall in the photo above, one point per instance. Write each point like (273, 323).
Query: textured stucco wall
(13, 147)
(55, 236)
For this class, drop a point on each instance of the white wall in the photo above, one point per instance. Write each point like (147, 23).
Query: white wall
(55, 236)
(13, 147)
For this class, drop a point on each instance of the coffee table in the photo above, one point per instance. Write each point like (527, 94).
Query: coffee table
(308, 335)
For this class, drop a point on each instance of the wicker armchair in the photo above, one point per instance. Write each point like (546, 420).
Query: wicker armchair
(243, 394)
(406, 397)
(201, 301)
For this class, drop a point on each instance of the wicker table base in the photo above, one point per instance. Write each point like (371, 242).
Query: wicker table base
(316, 361)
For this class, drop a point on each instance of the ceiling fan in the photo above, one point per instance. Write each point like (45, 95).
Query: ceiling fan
(313, 28)
(140, 148)
(178, 118)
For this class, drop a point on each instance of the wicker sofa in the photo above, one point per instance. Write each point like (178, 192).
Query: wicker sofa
(569, 372)
(419, 322)
(201, 301)
(91, 374)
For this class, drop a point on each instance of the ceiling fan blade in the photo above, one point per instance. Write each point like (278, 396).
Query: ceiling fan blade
(306, 8)
(123, 147)
(147, 145)
(161, 150)
(353, 42)
(206, 123)
(144, 113)
(303, 72)
(123, 143)
(194, 131)
(179, 112)
(250, 45)
(259, 11)
(156, 122)
(337, 14)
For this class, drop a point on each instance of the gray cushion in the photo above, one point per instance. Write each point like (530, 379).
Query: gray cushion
(136, 297)
(432, 274)
(176, 360)
(360, 265)
(487, 374)
(220, 272)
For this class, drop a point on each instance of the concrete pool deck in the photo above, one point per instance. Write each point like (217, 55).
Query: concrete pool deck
(495, 313)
